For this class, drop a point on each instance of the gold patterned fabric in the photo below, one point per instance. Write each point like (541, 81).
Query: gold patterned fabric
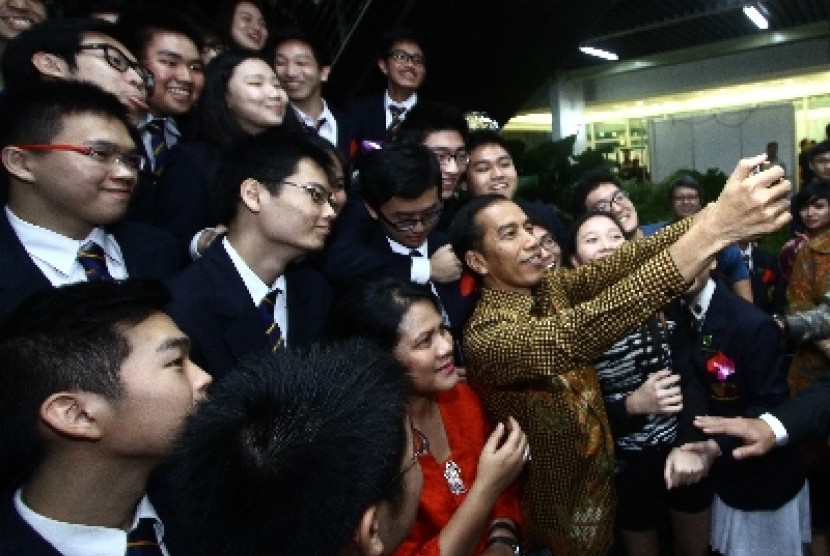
(530, 356)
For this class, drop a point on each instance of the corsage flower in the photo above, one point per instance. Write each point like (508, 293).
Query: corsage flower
(721, 366)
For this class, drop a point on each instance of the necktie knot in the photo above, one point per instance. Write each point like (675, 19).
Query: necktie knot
(396, 111)
(273, 334)
(143, 541)
(94, 262)
(397, 119)
(415, 253)
(158, 143)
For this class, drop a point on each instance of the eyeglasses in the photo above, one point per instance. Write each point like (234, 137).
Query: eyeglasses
(104, 154)
(426, 219)
(686, 198)
(319, 194)
(118, 61)
(420, 448)
(403, 57)
(461, 156)
(618, 199)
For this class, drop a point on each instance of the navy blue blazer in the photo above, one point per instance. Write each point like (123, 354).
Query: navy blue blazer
(769, 290)
(148, 253)
(369, 117)
(739, 337)
(17, 538)
(807, 415)
(212, 306)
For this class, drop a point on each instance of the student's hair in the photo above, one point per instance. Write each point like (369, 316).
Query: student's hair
(465, 233)
(69, 338)
(401, 170)
(327, 146)
(427, 117)
(60, 37)
(321, 55)
(289, 451)
(223, 18)
(86, 8)
(481, 137)
(268, 157)
(587, 183)
(577, 224)
(816, 189)
(399, 34)
(374, 308)
(144, 23)
(34, 114)
(213, 120)
(687, 181)
(820, 148)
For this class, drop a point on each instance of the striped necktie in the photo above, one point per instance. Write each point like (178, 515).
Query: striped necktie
(92, 259)
(397, 119)
(142, 540)
(158, 143)
(273, 334)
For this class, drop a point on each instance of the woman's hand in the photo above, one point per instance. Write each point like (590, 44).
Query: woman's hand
(686, 467)
(660, 394)
(500, 463)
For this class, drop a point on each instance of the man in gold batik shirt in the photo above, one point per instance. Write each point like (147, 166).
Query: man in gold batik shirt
(533, 337)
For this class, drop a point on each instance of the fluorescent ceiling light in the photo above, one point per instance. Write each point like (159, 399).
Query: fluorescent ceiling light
(599, 53)
(755, 16)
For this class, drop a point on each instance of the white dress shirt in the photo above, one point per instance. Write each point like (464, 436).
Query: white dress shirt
(328, 130)
(407, 104)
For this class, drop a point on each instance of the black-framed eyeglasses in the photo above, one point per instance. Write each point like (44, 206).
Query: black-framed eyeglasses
(620, 197)
(420, 448)
(319, 194)
(118, 61)
(103, 153)
(426, 219)
(404, 57)
(461, 156)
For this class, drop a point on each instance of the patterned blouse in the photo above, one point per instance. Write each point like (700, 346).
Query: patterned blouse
(530, 356)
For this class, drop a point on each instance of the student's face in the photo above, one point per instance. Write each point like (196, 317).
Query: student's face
(338, 187)
(397, 210)
(179, 74)
(248, 27)
(425, 348)
(446, 144)
(551, 252)
(596, 238)
(491, 170)
(821, 165)
(618, 204)
(404, 74)
(511, 257)
(816, 215)
(71, 192)
(128, 86)
(685, 202)
(291, 218)
(18, 15)
(160, 389)
(299, 71)
(255, 96)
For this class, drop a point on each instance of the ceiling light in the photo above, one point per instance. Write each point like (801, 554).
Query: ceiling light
(599, 53)
(755, 16)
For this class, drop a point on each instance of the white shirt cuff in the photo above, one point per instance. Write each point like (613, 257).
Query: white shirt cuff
(420, 270)
(781, 436)
(194, 245)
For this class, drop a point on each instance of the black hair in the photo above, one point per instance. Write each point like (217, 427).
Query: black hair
(373, 309)
(587, 183)
(820, 148)
(269, 157)
(482, 137)
(69, 338)
(86, 8)
(223, 19)
(321, 55)
(327, 146)
(813, 191)
(144, 23)
(60, 37)
(577, 224)
(465, 232)
(428, 117)
(687, 181)
(289, 451)
(401, 170)
(399, 34)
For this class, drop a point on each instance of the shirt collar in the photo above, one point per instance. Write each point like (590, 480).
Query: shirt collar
(402, 249)
(308, 120)
(702, 300)
(170, 125)
(257, 289)
(57, 250)
(408, 103)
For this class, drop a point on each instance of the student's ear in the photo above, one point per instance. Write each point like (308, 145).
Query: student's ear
(50, 65)
(324, 73)
(74, 414)
(476, 262)
(16, 162)
(383, 65)
(372, 212)
(249, 192)
(367, 534)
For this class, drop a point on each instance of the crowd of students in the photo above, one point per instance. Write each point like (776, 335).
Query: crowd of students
(237, 320)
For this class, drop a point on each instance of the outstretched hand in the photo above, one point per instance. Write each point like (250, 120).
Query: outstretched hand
(757, 435)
